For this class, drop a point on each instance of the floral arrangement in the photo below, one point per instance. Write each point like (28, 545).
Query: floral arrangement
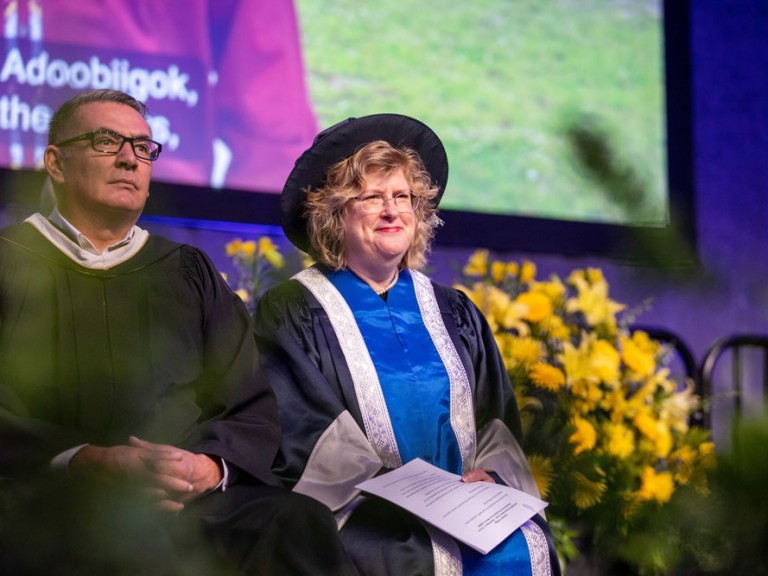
(257, 264)
(606, 425)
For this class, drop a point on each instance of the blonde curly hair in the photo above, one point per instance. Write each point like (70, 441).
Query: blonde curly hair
(325, 205)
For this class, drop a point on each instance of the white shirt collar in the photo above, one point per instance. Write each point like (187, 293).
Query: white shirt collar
(69, 240)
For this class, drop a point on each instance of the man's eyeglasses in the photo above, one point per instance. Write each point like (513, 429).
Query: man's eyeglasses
(110, 142)
(372, 203)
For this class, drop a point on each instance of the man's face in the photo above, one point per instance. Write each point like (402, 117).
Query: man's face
(94, 184)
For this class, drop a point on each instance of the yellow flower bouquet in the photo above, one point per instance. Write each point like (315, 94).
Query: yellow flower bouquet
(605, 422)
(257, 265)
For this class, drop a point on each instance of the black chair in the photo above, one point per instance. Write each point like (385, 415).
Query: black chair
(684, 361)
(744, 351)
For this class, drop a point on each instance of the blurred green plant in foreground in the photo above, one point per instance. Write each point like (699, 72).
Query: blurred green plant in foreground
(727, 532)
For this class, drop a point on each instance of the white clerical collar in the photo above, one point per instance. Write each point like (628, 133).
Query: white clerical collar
(62, 234)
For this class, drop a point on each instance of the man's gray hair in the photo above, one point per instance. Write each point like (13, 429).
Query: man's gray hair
(64, 114)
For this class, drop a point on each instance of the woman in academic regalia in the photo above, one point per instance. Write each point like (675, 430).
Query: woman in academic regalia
(374, 364)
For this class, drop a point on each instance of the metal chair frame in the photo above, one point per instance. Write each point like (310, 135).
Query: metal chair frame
(736, 344)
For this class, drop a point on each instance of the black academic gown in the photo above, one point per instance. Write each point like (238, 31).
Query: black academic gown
(158, 347)
(324, 451)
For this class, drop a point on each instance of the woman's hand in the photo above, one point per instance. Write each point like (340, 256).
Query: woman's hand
(477, 475)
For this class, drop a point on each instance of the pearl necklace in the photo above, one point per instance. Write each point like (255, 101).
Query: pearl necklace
(388, 287)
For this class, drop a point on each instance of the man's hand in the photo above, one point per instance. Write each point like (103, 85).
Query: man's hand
(169, 475)
(175, 468)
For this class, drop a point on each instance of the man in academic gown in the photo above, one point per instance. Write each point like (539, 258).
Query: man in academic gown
(135, 437)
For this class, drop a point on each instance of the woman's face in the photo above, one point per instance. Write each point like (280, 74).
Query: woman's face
(379, 239)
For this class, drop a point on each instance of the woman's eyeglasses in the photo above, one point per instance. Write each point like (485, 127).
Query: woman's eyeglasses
(372, 203)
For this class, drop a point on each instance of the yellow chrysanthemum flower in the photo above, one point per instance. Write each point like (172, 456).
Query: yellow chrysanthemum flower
(543, 473)
(584, 437)
(555, 328)
(526, 351)
(657, 486)
(619, 440)
(477, 265)
(546, 376)
(536, 307)
(587, 492)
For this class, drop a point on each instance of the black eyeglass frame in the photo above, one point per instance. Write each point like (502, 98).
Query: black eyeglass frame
(92, 137)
